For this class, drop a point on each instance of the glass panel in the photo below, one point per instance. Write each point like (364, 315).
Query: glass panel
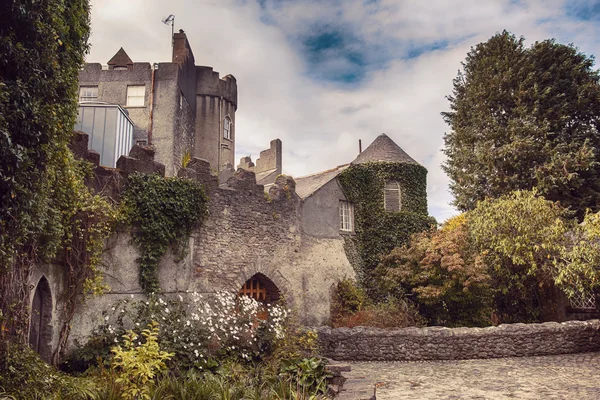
(108, 156)
(79, 121)
(87, 123)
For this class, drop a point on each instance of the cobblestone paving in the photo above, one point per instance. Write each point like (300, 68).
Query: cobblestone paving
(569, 376)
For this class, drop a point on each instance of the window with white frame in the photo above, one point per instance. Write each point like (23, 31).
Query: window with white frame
(88, 93)
(227, 128)
(392, 197)
(136, 96)
(346, 216)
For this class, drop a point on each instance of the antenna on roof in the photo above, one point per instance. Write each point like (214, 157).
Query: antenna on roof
(171, 19)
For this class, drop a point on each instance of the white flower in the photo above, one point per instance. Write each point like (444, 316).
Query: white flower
(132, 296)
(106, 318)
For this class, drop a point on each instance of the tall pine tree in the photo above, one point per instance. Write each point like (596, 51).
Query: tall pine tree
(524, 118)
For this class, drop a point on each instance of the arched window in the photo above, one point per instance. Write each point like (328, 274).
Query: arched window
(392, 197)
(40, 327)
(227, 125)
(260, 288)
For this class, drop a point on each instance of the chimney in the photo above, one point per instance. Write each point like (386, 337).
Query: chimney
(181, 48)
(359, 146)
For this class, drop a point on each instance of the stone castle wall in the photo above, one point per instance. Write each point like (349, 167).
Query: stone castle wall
(245, 233)
(437, 343)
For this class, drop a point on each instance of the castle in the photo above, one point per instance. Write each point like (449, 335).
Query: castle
(292, 243)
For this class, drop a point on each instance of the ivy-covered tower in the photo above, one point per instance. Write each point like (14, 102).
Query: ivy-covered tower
(389, 191)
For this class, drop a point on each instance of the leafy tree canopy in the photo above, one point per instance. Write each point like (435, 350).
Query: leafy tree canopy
(524, 118)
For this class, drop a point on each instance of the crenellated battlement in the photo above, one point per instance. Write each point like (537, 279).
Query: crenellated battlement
(110, 181)
(208, 83)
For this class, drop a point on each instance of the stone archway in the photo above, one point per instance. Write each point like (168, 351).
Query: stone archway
(40, 326)
(260, 288)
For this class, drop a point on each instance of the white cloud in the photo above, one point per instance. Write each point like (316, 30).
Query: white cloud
(320, 122)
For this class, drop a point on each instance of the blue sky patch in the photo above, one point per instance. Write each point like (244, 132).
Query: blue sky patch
(583, 10)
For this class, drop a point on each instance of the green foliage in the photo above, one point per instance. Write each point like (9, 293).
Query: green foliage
(46, 211)
(200, 333)
(23, 375)
(350, 307)
(524, 118)
(444, 274)
(378, 231)
(578, 266)
(41, 49)
(163, 212)
(138, 364)
(347, 298)
(308, 374)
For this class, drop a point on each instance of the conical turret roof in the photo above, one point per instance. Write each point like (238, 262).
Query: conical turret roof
(383, 149)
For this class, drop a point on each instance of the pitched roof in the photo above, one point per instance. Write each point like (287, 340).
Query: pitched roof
(383, 149)
(266, 177)
(307, 185)
(120, 59)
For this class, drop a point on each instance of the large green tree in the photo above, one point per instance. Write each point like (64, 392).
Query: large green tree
(524, 118)
(42, 44)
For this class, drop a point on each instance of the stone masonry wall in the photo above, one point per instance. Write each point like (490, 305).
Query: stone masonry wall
(437, 343)
(245, 233)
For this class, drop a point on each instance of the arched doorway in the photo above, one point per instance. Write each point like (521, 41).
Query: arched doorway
(260, 288)
(40, 327)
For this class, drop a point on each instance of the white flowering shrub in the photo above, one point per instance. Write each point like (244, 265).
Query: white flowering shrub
(200, 332)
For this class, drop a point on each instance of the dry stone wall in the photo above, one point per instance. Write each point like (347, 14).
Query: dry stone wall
(437, 343)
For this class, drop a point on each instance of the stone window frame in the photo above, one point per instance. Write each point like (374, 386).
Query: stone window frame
(88, 93)
(346, 216)
(136, 99)
(227, 127)
(389, 191)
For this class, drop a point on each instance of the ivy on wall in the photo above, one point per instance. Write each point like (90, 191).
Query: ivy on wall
(42, 201)
(162, 212)
(378, 231)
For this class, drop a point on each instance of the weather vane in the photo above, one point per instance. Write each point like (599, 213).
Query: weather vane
(171, 19)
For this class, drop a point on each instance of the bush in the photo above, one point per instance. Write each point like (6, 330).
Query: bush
(24, 375)
(199, 333)
(137, 364)
(351, 307)
(444, 274)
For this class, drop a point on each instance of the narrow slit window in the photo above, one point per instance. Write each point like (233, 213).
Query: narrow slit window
(227, 128)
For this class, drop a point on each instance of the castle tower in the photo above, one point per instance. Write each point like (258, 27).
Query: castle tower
(216, 103)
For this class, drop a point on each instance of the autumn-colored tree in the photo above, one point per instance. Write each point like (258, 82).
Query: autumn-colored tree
(444, 274)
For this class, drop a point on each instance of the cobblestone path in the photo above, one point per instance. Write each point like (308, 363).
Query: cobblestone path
(569, 376)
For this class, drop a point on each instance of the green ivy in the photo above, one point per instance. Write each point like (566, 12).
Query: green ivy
(163, 212)
(379, 231)
(43, 205)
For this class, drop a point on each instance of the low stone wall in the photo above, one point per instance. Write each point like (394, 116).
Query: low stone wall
(438, 343)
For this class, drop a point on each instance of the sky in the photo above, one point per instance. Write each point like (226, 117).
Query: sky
(322, 74)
